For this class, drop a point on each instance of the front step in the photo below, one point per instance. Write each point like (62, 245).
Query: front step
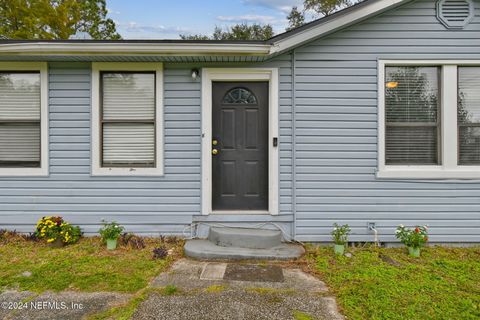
(245, 238)
(241, 243)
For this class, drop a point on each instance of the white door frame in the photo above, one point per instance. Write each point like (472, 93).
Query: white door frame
(239, 74)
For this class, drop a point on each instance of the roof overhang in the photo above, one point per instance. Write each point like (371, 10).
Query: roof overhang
(228, 50)
(329, 24)
(133, 48)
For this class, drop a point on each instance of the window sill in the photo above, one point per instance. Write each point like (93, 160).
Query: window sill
(429, 172)
(134, 172)
(23, 172)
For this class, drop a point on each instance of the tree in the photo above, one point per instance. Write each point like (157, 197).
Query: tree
(295, 19)
(241, 31)
(320, 8)
(55, 19)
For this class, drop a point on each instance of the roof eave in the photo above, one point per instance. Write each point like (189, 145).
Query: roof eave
(331, 25)
(167, 49)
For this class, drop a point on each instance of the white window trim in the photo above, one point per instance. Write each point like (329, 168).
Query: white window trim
(42, 67)
(97, 169)
(239, 74)
(449, 141)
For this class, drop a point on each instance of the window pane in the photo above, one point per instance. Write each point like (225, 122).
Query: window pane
(20, 119)
(128, 96)
(407, 145)
(129, 144)
(19, 96)
(19, 145)
(411, 94)
(469, 115)
(412, 115)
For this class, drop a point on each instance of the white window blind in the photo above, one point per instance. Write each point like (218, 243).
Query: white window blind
(468, 115)
(20, 119)
(412, 116)
(128, 119)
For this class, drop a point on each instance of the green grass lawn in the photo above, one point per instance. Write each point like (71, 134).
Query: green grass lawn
(444, 283)
(84, 266)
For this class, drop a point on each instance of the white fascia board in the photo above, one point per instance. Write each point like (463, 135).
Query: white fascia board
(344, 20)
(125, 48)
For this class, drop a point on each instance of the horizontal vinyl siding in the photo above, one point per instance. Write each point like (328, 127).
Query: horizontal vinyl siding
(149, 205)
(336, 136)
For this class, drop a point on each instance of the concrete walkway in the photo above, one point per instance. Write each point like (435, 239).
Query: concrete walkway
(52, 306)
(214, 290)
(204, 290)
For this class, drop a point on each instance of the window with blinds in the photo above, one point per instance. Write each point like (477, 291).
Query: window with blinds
(20, 105)
(468, 115)
(128, 119)
(412, 132)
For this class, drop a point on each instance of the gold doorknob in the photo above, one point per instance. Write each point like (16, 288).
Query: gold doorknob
(214, 151)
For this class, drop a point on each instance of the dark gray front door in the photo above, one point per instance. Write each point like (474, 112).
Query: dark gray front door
(240, 146)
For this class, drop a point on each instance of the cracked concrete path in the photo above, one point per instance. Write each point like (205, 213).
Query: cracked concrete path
(214, 290)
(56, 305)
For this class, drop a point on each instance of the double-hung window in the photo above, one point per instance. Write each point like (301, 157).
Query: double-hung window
(23, 119)
(429, 119)
(127, 119)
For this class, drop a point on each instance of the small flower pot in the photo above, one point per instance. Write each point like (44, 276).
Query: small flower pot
(414, 252)
(111, 244)
(58, 243)
(339, 249)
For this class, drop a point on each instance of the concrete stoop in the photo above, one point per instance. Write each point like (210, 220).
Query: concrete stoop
(242, 243)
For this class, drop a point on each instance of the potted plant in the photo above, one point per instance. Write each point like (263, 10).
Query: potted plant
(340, 237)
(110, 234)
(57, 231)
(414, 239)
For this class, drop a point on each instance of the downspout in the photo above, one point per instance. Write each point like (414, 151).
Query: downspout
(294, 147)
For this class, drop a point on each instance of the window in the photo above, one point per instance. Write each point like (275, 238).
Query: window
(127, 122)
(23, 119)
(429, 119)
(469, 115)
(412, 115)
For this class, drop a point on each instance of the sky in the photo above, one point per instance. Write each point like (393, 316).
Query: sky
(166, 19)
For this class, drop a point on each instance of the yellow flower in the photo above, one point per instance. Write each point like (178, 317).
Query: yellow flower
(50, 240)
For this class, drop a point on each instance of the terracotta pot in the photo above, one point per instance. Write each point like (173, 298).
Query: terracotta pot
(58, 243)
(111, 244)
(339, 249)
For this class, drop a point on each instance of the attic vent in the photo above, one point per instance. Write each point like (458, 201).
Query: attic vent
(455, 14)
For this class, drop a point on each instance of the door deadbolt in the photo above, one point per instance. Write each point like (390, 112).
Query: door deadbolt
(214, 142)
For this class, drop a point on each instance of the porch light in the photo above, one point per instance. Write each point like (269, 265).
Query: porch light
(392, 84)
(195, 74)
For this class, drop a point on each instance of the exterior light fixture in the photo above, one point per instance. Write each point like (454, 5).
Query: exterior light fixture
(195, 74)
(392, 84)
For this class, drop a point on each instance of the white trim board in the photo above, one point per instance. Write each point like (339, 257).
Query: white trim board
(42, 67)
(449, 169)
(96, 169)
(128, 48)
(239, 74)
(342, 20)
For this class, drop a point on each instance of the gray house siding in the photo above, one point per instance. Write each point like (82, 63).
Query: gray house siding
(148, 205)
(336, 132)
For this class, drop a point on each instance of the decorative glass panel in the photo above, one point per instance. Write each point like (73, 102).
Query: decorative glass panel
(412, 116)
(239, 96)
(468, 115)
